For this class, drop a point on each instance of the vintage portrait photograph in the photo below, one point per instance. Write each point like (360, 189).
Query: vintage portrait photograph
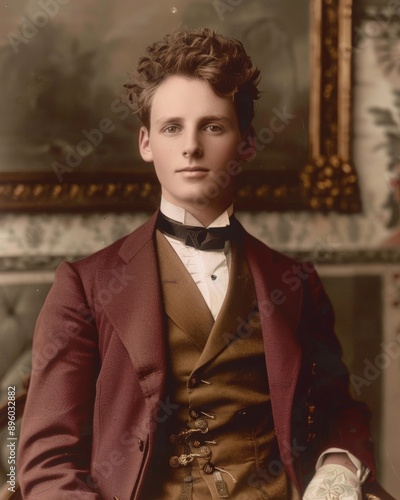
(199, 249)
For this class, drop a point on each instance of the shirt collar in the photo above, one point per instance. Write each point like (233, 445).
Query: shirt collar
(181, 215)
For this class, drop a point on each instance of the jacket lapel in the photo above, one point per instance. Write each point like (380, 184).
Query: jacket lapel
(136, 311)
(183, 301)
(280, 308)
(229, 319)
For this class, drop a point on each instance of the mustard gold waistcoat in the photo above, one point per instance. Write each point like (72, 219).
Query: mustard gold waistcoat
(219, 389)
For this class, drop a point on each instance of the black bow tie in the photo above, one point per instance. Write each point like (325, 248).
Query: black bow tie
(213, 238)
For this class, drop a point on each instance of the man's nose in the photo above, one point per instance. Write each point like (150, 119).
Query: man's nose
(192, 146)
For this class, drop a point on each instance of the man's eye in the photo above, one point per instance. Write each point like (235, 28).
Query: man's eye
(214, 128)
(171, 129)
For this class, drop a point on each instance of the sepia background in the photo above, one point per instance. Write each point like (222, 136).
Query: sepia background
(68, 76)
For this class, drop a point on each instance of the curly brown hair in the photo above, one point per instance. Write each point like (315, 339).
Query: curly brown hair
(198, 53)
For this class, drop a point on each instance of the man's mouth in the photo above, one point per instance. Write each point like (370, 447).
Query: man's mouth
(193, 169)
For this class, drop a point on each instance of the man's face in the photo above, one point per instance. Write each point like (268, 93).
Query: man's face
(193, 141)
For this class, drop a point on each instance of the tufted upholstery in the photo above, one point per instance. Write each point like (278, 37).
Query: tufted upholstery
(19, 306)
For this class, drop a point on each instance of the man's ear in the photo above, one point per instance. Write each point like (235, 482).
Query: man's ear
(247, 148)
(144, 145)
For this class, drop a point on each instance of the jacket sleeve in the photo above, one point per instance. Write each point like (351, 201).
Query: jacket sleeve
(55, 443)
(333, 418)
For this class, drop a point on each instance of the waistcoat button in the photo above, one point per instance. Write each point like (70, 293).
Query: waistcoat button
(208, 468)
(202, 425)
(193, 382)
(174, 462)
(204, 451)
(193, 413)
(175, 438)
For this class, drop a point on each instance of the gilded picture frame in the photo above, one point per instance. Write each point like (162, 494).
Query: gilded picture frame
(324, 179)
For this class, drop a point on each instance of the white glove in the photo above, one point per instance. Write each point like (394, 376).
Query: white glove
(333, 482)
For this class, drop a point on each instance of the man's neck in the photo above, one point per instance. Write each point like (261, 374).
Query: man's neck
(206, 215)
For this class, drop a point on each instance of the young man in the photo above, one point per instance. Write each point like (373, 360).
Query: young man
(183, 362)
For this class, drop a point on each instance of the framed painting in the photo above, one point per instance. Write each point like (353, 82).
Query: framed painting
(69, 140)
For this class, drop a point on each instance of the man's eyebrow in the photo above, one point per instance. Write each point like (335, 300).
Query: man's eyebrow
(203, 119)
(169, 119)
(215, 118)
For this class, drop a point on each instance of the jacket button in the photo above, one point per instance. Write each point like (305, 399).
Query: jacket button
(140, 444)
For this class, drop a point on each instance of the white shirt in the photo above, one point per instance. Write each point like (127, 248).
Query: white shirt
(209, 269)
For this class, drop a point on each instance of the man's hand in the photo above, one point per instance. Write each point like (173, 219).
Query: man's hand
(333, 482)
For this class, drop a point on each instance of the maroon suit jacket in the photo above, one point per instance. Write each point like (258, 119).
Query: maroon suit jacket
(99, 367)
